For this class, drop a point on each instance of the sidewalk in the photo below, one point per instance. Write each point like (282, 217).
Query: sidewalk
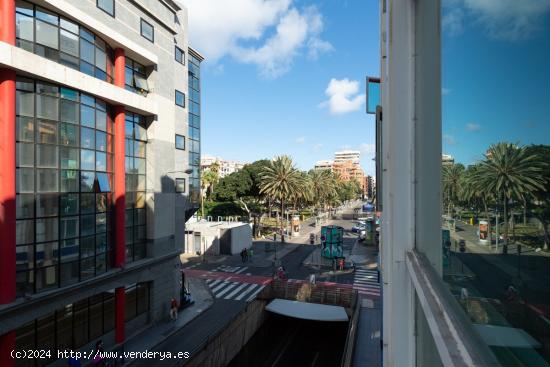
(151, 337)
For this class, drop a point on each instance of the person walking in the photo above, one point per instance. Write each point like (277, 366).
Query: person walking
(173, 309)
(250, 253)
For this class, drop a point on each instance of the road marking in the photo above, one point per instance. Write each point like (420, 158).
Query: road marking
(240, 271)
(255, 294)
(236, 290)
(251, 287)
(214, 282)
(219, 287)
(225, 290)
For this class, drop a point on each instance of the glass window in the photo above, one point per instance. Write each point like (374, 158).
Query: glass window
(87, 138)
(68, 42)
(46, 205)
(68, 135)
(68, 273)
(25, 129)
(47, 107)
(103, 182)
(87, 204)
(24, 103)
(69, 111)
(68, 204)
(46, 230)
(87, 116)
(70, 94)
(180, 98)
(107, 6)
(46, 132)
(140, 132)
(24, 27)
(46, 180)
(69, 181)
(100, 161)
(46, 16)
(68, 25)
(25, 155)
(46, 156)
(46, 254)
(87, 159)
(101, 120)
(24, 7)
(69, 250)
(141, 83)
(69, 60)
(68, 227)
(47, 34)
(100, 59)
(180, 142)
(147, 31)
(24, 206)
(101, 223)
(87, 181)
(180, 185)
(87, 227)
(24, 232)
(179, 55)
(139, 149)
(140, 165)
(68, 158)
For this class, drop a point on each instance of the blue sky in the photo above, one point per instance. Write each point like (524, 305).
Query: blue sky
(286, 77)
(496, 75)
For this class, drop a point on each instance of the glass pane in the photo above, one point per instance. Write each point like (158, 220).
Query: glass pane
(102, 200)
(47, 34)
(46, 205)
(69, 181)
(24, 8)
(69, 157)
(69, 111)
(69, 42)
(47, 107)
(180, 184)
(46, 230)
(100, 161)
(69, 274)
(107, 5)
(24, 232)
(68, 204)
(25, 129)
(49, 89)
(24, 205)
(24, 27)
(100, 59)
(68, 227)
(87, 35)
(46, 132)
(87, 204)
(47, 254)
(103, 182)
(101, 120)
(24, 103)
(140, 182)
(46, 15)
(87, 159)
(87, 100)
(140, 165)
(46, 180)
(46, 156)
(129, 129)
(101, 141)
(87, 181)
(69, 61)
(147, 30)
(68, 135)
(87, 116)
(87, 51)
(87, 227)
(139, 150)
(25, 155)
(24, 257)
(70, 94)
(68, 25)
(140, 200)
(101, 223)
(69, 250)
(87, 138)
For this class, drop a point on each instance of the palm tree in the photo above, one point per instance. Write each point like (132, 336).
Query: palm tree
(208, 178)
(452, 176)
(511, 172)
(281, 180)
(323, 186)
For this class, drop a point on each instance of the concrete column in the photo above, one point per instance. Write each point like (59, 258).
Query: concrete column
(120, 196)
(7, 179)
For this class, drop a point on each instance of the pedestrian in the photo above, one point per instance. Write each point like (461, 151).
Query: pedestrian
(312, 279)
(173, 309)
(245, 254)
(275, 237)
(341, 263)
(250, 253)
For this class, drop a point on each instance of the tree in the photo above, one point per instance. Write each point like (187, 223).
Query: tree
(452, 177)
(208, 179)
(511, 172)
(281, 180)
(541, 209)
(324, 187)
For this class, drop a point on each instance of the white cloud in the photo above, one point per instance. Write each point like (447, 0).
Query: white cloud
(300, 140)
(343, 97)
(473, 127)
(503, 19)
(239, 29)
(449, 139)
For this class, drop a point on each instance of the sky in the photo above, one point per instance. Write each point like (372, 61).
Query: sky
(495, 75)
(285, 77)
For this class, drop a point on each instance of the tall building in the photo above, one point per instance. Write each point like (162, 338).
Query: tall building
(447, 160)
(95, 180)
(225, 167)
(347, 155)
(325, 164)
(347, 164)
(369, 185)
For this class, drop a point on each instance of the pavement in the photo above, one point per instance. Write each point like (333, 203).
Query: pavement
(157, 334)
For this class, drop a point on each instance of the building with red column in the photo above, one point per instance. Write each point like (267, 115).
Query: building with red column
(97, 180)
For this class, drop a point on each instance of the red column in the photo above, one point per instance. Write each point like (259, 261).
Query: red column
(7, 179)
(120, 194)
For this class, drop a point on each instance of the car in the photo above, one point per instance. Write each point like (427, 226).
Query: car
(362, 235)
(358, 227)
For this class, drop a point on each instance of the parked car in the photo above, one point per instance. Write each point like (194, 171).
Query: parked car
(358, 227)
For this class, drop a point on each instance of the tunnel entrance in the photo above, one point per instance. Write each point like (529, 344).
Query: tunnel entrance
(285, 341)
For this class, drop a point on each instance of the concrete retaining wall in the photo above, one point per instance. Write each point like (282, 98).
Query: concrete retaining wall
(222, 348)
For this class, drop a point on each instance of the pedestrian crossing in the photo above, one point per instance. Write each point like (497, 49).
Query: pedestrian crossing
(231, 269)
(226, 289)
(367, 282)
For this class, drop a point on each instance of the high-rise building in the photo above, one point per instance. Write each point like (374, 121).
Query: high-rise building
(347, 155)
(95, 180)
(447, 160)
(369, 185)
(325, 164)
(347, 165)
(225, 167)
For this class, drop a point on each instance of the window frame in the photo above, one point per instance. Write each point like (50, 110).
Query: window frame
(104, 10)
(152, 40)
(176, 98)
(176, 141)
(176, 49)
(176, 185)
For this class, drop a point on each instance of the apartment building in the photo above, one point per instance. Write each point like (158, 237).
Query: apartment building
(324, 164)
(97, 100)
(225, 167)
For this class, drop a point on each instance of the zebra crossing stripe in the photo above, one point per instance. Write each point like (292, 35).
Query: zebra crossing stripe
(235, 291)
(365, 282)
(240, 271)
(220, 286)
(251, 287)
(214, 282)
(225, 290)
(255, 293)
